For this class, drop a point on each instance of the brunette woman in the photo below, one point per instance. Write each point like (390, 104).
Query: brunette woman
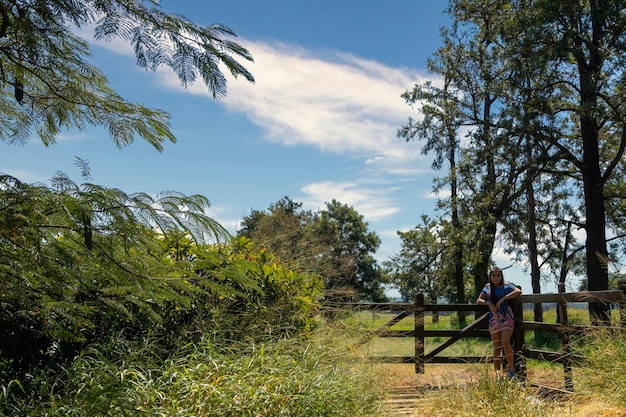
(497, 294)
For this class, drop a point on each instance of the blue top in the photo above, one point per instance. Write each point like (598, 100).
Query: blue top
(505, 309)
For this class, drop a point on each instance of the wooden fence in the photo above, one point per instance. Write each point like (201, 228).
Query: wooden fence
(478, 329)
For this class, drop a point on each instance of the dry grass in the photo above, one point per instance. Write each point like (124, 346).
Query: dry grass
(465, 390)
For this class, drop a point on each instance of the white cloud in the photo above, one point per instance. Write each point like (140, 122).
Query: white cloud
(368, 202)
(329, 100)
(332, 101)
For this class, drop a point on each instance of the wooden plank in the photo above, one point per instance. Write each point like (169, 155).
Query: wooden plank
(453, 339)
(393, 359)
(435, 359)
(384, 328)
(419, 333)
(452, 333)
(433, 333)
(455, 307)
(584, 297)
(550, 356)
(542, 327)
(457, 359)
(556, 328)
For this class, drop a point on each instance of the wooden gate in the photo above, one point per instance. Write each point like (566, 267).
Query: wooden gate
(478, 329)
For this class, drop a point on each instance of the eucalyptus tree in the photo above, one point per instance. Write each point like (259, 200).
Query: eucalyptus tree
(440, 127)
(472, 64)
(586, 42)
(48, 83)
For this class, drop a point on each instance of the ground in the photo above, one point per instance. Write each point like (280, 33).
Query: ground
(409, 394)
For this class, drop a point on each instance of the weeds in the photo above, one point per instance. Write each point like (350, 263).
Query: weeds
(294, 377)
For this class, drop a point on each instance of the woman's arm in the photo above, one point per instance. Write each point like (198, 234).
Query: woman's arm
(516, 292)
(483, 301)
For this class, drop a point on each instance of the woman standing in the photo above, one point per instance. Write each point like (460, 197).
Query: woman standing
(496, 295)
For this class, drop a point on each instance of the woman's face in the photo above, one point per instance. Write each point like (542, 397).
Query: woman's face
(496, 277)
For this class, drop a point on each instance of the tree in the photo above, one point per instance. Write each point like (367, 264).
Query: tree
(48, 83)
(349, 249)
(586, 42)
(441, 128)
(80, 260)
(422, 265)
(333, 243)
(540, 87)
(284, 230)
(487, 177)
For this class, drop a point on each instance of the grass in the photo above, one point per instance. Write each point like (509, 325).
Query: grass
(311, 376)
(323, 374)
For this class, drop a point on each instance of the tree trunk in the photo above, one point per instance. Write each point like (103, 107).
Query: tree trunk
(535, 273)
(596, 249)
(593, 185)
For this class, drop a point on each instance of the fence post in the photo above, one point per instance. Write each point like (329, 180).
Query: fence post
(518, 339)
(563, 321)
(621, 285)
(419, 333)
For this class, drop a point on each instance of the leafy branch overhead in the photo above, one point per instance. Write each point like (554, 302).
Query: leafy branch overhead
(49, 84)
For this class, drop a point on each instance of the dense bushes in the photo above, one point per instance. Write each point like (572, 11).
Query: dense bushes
(81, 264)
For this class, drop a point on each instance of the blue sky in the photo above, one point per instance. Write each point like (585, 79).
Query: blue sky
(319, 123)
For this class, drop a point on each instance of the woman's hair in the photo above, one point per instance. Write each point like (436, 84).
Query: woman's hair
(492, 286)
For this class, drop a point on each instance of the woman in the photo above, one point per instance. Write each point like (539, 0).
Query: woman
(496, 294)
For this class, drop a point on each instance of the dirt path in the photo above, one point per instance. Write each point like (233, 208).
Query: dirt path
(410, 394)
(405, 390)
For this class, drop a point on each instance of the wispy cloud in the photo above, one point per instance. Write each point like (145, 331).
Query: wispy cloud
(329, 100)
(369, 202)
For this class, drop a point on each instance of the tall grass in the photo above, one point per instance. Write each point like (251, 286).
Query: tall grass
(486, 397)
(289, 377)
(602, 373)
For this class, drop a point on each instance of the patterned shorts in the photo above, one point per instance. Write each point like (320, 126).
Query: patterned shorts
(496, 325)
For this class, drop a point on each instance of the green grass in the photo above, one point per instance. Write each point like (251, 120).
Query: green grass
(323, 374)
(313, 376)
(599, 379)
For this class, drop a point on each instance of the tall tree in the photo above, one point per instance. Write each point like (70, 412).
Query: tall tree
(586, 41)
(422, 265)
(440, 126)
(488, 175)
(349, 250)
(48, 83)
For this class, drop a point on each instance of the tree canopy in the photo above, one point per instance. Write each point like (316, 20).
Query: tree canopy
(48, 83)
(529, 115)
(334, 243)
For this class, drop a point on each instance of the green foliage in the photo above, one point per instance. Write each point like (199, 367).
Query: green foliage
(79, 263)
(48, 83)
(527, 121)
(333, 243)
(422, 265)
(603, 371)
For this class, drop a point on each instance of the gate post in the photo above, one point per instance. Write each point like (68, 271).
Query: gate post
(518, 339)
(563, 321)
(621, 285)
(419, 333)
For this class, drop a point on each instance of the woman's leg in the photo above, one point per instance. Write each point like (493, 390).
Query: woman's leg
(497, 349)
(505, 339)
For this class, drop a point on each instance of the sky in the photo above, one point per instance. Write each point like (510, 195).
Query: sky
(318, 124)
